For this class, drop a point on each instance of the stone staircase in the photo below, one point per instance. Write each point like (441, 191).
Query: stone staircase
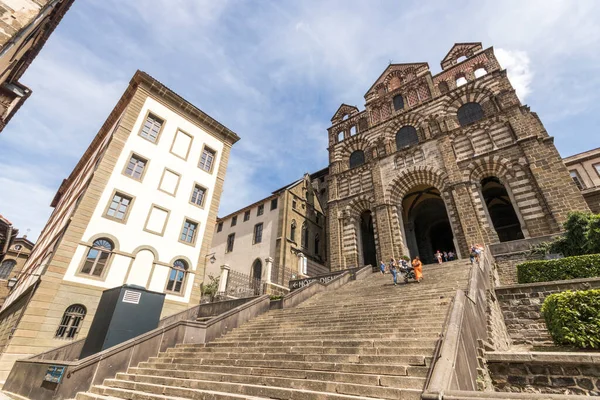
(368, 339)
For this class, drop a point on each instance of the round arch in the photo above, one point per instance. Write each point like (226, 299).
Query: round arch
(112, 238)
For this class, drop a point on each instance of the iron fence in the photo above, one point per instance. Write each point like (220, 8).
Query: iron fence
(241, 285)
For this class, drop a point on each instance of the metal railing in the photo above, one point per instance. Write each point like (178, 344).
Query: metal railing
(241, 285)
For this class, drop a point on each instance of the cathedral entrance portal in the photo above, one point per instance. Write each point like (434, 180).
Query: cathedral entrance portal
(426, 223)
(367, 238)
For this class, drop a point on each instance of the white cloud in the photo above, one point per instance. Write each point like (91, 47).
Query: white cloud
(517, 64)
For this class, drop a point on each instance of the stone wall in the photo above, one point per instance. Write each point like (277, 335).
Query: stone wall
(521, 306)
(556, 373)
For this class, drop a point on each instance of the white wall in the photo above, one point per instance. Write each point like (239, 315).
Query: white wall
(131, 235)
(244, 252)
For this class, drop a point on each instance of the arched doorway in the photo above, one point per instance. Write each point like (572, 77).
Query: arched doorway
(367, 239)
(500, 209)
(256, 269)
(426, 223)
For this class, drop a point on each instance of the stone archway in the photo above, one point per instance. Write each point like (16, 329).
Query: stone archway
(367, 239)
(427, 225)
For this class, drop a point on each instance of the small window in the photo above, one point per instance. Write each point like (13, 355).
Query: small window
(317, 243)
(294, 204)
(219, 227)
(230, 242)
(293, 231)
(198, 195)
(273, 204)
(234, 220)
(188, 233)
(97, 258)
(247, 216)
(260, 210)
(304, 238)
(443, 86)
(398, 102)
(340, 136)
(357, 158)
(577, 179)
(177, 276)
(461, 81)
(258, 229)
(479, 72)
(406, 136)
(18, 247)
(71, 322)
(151, 128)
(136, 166)
(461, 59)
(469, 113)
(353, 130)
(119, 207)
(6, 268)
(207, 159)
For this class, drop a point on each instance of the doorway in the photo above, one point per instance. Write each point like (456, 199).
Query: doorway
(500, 209)
(367, 238)
(426, 223)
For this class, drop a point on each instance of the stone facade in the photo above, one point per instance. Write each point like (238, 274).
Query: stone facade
(575, 374)
(292, 235)
(13, 263)
(25, 25)
(521, 306)
(433, 154)
(584, 168)
(144, 248)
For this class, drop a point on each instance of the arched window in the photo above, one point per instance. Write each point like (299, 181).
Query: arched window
(340, 136)
(443, 86)
(479, 72)
(293, 231)
(357, 158)
(97, 258)
(461, 59)
(406, 136)
(304, 235)
(177, 276)
(317, 242)
(71, 322)
(353, 130)
(398, 102)
(6, 268)
(345, 117)
(461, 81)
(469, 113)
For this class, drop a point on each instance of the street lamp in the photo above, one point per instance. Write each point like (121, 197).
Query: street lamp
(11, 282)
(213, 259)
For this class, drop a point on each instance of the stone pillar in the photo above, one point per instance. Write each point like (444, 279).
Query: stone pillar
(268, 269)
(223, 279)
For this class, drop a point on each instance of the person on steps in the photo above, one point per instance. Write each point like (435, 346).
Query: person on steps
(393, 270)
(418, 267)
(438, 257)
(382, 267)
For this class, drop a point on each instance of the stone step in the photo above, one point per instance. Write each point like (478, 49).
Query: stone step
(412, 342)
(177, 352)
(137, 395)
(182, 388)
(244, 365)
(401, 359)
(331, 336)
(341, 327)
(314, 380)
(362, 319)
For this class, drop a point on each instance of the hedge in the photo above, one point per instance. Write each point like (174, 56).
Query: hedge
(587, 266)
(573, 318)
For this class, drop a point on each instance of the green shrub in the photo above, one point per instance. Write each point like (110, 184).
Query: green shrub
(593, 234)
(573, 318)
(587, 266)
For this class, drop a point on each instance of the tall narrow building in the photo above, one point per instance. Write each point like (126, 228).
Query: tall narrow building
(440, 162)
(25, 26)
(139, 208)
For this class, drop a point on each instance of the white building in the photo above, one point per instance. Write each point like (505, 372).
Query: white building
(139, 208)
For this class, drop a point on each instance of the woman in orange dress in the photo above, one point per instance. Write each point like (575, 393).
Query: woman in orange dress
(418, 267)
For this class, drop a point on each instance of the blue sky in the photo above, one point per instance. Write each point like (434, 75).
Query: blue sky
(275, 72)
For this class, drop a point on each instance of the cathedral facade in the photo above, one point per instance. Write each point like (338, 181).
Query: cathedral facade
(442, 162)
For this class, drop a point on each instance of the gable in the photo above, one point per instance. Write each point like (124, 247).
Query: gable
(396, 75)
(344, 110)
(460, 50)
